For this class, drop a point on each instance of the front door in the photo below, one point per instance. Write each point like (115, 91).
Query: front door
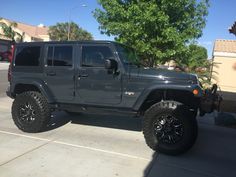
(59, 71)
(95, 84)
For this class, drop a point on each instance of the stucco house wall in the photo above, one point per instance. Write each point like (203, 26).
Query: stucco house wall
(224, 72)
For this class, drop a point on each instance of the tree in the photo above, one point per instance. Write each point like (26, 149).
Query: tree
(196, 57)
(160, 30)
(9, 32)
(195, 61)
(59, 32)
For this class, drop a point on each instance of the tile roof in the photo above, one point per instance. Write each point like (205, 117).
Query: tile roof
(222, 45)
(33, 31)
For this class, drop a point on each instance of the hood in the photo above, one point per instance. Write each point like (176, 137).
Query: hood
(162, 74)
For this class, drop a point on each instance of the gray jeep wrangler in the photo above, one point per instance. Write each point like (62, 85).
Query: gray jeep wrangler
(100, 77)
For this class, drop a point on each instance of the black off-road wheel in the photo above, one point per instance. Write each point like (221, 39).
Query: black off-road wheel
(170, 128)
(31, 112)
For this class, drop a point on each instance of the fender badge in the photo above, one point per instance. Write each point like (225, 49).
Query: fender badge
(129, 93)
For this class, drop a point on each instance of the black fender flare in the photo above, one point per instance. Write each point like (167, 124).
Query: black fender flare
(40, 84)
(143, 96)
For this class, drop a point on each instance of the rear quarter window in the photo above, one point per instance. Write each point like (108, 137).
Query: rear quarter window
(27, 56)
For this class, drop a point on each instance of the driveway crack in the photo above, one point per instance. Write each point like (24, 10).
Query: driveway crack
(27, 152)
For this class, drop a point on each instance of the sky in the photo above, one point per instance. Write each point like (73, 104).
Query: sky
(222, 15)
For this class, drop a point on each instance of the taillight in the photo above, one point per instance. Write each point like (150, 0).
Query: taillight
(10, 60)
(11, 53)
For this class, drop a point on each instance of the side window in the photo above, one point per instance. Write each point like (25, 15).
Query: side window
(95, 56)
(60, 56)
(27, 56)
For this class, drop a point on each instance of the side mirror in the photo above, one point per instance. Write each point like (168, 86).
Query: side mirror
(111, 64)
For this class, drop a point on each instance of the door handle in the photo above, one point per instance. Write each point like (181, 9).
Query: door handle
(51, 73)
(83, 75)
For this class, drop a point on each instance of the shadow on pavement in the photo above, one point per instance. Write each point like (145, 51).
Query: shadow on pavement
(109, 121)
(214, 154)
(59, 119)
(226, 119)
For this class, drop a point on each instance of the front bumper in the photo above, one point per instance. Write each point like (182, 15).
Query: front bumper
(210, 101)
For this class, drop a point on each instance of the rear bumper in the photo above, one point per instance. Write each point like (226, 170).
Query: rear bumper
(9, 93)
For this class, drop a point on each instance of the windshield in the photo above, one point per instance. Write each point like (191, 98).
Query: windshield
(127, 55)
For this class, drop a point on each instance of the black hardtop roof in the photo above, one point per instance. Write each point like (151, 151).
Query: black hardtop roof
(68, 42)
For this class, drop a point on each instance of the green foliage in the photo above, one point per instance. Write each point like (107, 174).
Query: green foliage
(195, 57)
(205, 73)
(59, 32)
(9, 32)
(158, 29)
(195, 61)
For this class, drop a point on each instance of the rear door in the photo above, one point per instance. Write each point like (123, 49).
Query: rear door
(59, 71)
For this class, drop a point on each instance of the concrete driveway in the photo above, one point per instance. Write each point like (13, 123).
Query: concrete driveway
(89, 145)
(106, 146)
(3, 81)
(4, 65)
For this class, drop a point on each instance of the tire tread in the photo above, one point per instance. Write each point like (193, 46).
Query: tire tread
(44, 110)
(165, 106)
